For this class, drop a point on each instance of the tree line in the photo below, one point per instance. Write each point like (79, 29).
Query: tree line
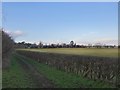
(72, 44)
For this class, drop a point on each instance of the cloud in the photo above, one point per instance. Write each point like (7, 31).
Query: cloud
(53, 41)
(15, 34)
(107, 41)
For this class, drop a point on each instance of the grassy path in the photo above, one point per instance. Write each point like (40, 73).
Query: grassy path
(15, 76)
(39, 80)
(23, 75)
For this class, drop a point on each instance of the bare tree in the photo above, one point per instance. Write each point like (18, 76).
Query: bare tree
(40, 45)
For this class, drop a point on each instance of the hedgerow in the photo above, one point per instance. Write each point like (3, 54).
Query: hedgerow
(7, 48)
(92, 67)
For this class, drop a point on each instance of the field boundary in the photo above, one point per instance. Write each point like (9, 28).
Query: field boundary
(96, 68)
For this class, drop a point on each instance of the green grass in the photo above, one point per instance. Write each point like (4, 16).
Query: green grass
(102, 52)
(65, 80)
(15, 77)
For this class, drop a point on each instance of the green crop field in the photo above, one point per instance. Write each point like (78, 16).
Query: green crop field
(102, 52)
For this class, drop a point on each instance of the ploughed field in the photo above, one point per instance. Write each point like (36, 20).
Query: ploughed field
(101, 52)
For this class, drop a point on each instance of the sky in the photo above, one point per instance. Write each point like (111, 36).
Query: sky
(50, 22)
(60, 0)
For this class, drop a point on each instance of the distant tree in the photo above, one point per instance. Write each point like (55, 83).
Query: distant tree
(34, 45)
(53, 45)
(77, 46)
(22, 45)
(71, 43)
(64, 45)
(40, 45)
(114, 46)
(89, 45)
(74, 45)
(118, 46)
(27, 45)
(23, 42)
(98, 45)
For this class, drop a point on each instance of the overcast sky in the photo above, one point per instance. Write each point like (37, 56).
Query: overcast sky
(62, 22)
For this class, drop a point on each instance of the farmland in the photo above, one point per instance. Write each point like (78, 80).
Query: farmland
(101, 52)
(61, 67)
(59, 45)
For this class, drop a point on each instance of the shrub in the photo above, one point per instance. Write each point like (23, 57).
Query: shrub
(7, 47)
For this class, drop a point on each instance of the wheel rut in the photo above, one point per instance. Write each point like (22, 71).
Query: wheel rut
(39, 80)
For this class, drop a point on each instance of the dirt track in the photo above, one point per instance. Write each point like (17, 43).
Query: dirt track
(39, 80)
